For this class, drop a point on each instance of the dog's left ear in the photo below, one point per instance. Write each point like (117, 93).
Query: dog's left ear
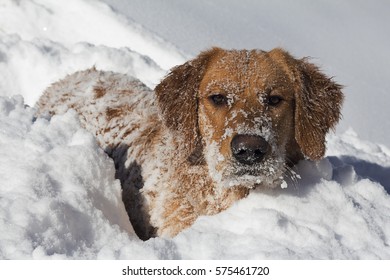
(317, 109)
(177, 97)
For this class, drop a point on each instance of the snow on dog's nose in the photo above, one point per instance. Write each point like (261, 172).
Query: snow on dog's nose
(249, 149)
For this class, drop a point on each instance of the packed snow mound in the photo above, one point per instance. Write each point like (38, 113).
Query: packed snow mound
(83, 21)
(49, 206)
(29, 67)
(60, 199)
(318, 218)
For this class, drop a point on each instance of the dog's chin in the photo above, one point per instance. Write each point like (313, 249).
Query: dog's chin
(265, 176)
(251, 181)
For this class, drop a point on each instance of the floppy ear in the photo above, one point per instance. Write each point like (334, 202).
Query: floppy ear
(177, 96)
(317, 109)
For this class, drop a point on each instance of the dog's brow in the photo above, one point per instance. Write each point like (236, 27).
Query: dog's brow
(225, 85)
(264, 92)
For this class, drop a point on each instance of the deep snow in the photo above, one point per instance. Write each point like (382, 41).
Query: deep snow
(58, 194)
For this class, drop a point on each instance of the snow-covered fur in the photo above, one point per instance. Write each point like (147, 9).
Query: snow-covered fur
(175, 149)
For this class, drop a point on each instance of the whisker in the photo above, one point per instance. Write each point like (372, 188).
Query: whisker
(290, 174)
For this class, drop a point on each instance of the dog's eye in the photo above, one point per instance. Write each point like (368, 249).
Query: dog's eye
(274, 100)
(218, 99)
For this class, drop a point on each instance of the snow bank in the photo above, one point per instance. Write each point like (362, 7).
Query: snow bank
(29, 67)
(83, 21)
(49, 205)
(58, 194)
(318, 218)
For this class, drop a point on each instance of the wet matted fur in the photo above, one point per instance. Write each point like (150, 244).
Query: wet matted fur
(214, 128)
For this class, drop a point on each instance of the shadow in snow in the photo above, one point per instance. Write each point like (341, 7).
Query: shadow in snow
(364, 169)
(132, 184)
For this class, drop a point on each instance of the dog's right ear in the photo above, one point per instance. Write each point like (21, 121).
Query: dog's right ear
(177, 97)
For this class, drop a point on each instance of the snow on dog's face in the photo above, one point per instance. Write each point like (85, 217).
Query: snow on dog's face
(246, 118)
(248, 115)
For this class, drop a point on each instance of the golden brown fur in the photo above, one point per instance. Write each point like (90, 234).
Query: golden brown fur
(215, 127)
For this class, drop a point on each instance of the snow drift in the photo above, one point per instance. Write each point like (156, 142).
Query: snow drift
(58, 193)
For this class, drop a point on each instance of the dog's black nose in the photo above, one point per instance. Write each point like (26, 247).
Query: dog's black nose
(249, 149)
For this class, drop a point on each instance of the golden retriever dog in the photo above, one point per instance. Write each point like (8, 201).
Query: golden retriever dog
(216, 127)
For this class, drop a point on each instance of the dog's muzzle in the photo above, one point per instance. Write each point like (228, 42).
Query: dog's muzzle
(249, 149)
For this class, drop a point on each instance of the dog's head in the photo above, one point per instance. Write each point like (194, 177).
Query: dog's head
(249, 114)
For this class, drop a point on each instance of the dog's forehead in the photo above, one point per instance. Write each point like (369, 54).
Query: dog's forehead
(249, 68)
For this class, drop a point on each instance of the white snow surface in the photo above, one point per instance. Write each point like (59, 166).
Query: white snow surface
(58, 195)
